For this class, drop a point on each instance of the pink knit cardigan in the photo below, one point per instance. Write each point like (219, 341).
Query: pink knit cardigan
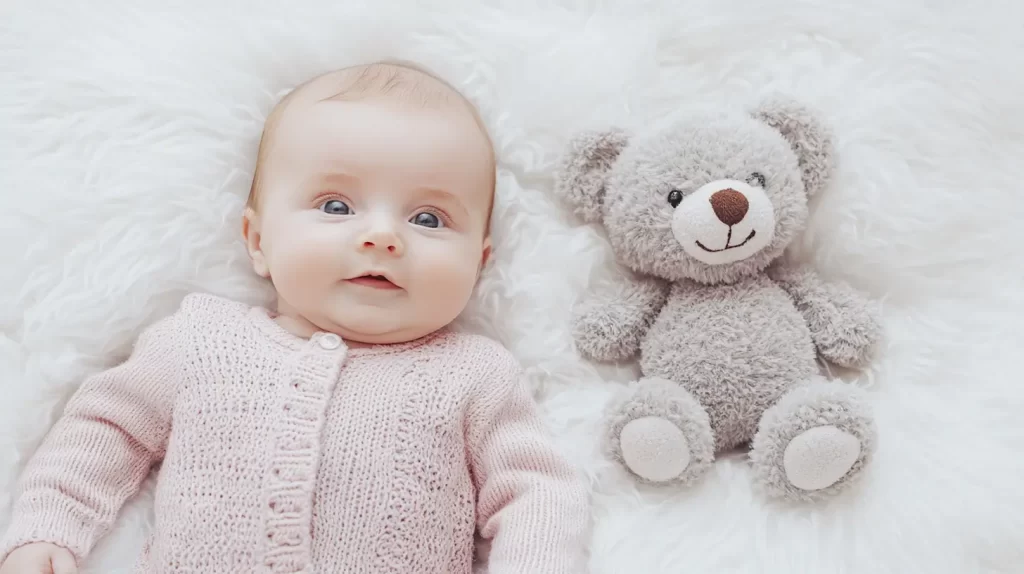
(285, 454)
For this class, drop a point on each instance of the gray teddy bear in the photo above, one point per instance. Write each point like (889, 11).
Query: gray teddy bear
(700, 211)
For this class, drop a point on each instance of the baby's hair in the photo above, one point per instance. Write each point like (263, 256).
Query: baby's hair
(409, 82)
(394, 78)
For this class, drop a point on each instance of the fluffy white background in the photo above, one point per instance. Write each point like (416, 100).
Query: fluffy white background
(127, 136)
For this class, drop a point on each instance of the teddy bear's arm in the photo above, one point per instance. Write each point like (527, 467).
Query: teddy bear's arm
(844, 324)
(609, 325)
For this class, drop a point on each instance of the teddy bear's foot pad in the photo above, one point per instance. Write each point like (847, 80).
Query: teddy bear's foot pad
(654, 449)
(659, 432)
(818, 457)
(814, 443)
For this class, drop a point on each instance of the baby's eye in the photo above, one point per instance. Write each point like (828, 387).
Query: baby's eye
(335, 207)
(427, 219)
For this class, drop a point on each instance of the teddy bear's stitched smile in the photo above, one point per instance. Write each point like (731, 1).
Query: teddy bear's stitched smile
(753, 232)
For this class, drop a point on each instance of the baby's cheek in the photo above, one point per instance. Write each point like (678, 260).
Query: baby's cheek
(446, 277)
(302, 260)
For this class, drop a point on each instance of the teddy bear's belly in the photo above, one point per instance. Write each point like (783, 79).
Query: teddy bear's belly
(737, 349)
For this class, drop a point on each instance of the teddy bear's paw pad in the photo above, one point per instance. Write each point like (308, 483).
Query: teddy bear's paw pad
(819, 457)
(654, 449)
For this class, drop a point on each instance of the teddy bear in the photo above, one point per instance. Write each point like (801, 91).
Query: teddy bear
(728, 331)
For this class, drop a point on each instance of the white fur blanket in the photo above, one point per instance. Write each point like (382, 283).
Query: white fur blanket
(127, 137)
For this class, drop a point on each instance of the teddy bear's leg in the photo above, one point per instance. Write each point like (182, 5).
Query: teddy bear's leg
(660, 433)
(814, 442)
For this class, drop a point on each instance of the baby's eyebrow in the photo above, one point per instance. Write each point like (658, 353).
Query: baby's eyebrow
(336, 178)
(444, 195)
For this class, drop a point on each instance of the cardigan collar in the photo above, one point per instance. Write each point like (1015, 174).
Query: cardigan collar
(263, 319)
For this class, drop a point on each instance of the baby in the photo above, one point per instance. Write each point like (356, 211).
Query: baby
(349, 429)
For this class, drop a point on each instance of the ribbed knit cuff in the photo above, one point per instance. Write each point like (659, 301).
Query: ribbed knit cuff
(55, 529)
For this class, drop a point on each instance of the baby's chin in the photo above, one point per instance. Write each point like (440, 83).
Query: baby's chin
(380, 329)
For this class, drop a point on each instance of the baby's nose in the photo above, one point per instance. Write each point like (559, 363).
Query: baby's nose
(384, 241)
(730, 206)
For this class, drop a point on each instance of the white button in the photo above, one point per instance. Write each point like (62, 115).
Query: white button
(330, 341)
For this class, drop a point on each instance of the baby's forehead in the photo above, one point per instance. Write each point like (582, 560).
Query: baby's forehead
(398, 83)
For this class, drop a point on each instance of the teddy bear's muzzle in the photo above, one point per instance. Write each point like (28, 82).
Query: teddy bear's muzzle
(724, 221)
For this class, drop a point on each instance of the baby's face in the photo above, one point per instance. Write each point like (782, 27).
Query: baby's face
(373, 216)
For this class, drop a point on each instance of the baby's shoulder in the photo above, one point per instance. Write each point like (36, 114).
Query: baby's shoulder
(481, 353)
(481, 365)
(204, 315)
(204, 309)
(200, 302)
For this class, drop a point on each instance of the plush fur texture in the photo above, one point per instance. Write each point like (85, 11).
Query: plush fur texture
(128, 132)
(844, 326)
(611, 326)
(810, 138)
(735, 340)
(583, 179)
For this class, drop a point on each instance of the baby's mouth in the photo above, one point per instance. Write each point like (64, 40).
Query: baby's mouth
(374, 281)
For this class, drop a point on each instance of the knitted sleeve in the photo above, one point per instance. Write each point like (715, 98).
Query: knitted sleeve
(101, 449)
(532, 505)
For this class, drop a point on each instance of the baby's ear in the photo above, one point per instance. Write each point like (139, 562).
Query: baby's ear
(580, 181)
(809, 135)
(253, 239)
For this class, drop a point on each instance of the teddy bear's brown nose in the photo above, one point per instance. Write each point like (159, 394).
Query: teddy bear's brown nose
(730, 206)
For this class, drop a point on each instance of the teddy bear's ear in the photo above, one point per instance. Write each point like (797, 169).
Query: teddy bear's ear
(580, 180)
(810, 136)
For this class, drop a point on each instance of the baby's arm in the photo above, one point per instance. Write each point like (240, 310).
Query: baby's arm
(532, 505)
(100, 450)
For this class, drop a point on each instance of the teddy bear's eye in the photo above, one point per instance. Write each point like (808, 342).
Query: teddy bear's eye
(675, 197)
(757, 179)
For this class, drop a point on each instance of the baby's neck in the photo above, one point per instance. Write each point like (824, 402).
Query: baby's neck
(303, 328)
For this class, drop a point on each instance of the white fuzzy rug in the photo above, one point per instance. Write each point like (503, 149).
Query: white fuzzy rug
(127, 136)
